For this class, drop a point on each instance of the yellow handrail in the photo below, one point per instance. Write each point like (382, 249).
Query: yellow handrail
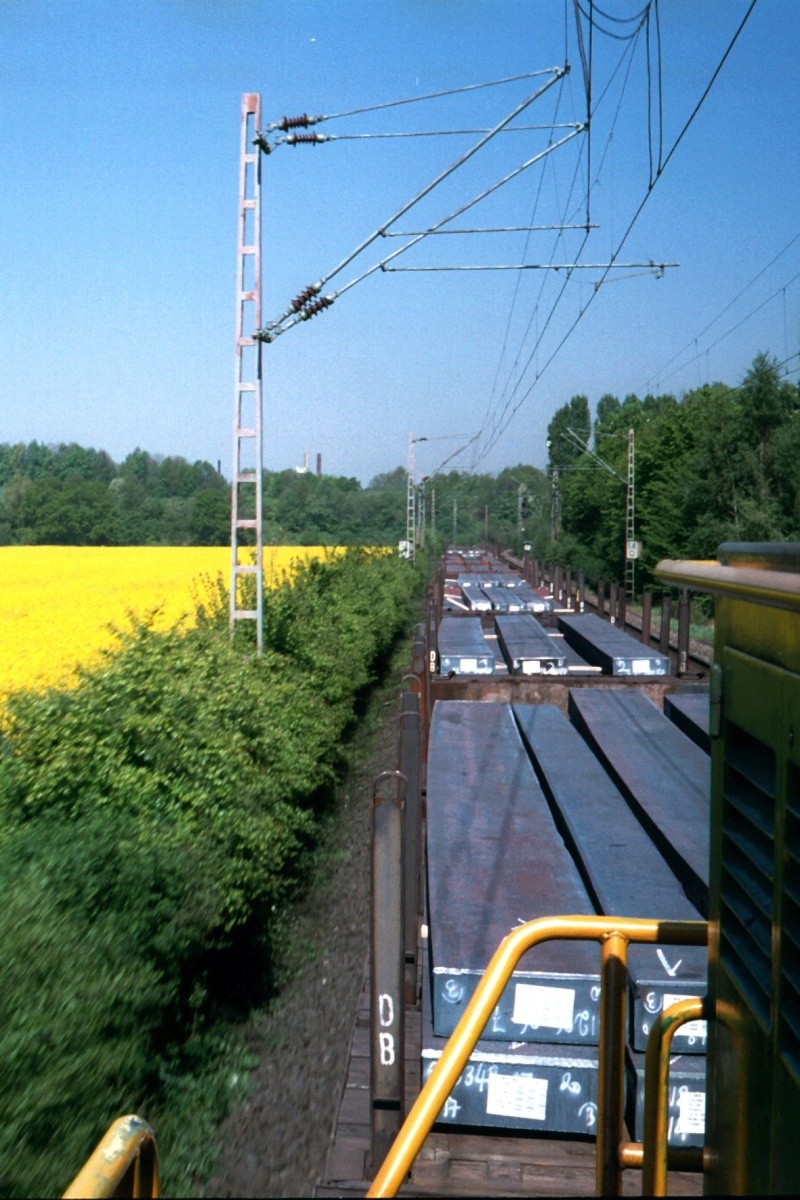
(617, 932)
(656, 1090)
(124, 1163)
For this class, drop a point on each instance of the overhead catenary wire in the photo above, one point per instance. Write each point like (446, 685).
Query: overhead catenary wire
(493, 425)
(468, 87)
(516, 292)
(295, 316)
(556, 73)
(684, 129)
(494, 415)
(492, 419)
(318, 139)
(728, 332)
(660, 373)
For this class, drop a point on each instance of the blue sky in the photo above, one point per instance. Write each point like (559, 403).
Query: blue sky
(119, 130)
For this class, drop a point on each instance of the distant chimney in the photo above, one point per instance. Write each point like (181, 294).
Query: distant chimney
(306, 461)
(319, 464)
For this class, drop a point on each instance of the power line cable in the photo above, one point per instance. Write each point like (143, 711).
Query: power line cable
(633, 221)
(491, 422)
(733, 328)
(314, 289)
(658, 374)
(470, 87)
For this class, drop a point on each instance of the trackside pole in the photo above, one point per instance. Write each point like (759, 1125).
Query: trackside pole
(248, 453)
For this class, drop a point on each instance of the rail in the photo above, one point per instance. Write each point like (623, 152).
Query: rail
(124, 1163)
(613, 1152)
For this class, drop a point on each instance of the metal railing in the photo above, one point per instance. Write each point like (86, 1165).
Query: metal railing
(656, 1092)
(124, 1163)
(613, 1152)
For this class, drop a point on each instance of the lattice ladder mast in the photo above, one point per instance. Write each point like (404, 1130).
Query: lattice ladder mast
(631, 548)
(248, 454)
(411, 502)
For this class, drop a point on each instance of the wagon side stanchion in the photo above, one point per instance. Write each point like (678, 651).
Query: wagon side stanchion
(409, 764)
(613, 601)
(622, 609)
(666, 615)
(647, 614)
(387, 964)
(683, 632)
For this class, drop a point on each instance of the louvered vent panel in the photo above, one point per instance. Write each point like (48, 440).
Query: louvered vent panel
(748, 857)
(790, 942)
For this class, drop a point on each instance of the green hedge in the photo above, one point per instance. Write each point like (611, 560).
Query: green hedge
(153, 822)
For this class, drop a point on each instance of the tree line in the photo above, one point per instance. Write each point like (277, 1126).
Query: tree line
(67, 494)
(718, 464)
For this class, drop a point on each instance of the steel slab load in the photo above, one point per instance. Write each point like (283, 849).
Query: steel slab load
(463, 649)
(504, 599)
(661, 773)
(511, 1086)
(476, 600)
(575, 664)
(608, 647)
(687, 1098)
(495, 860)
(624, 873)
(533, 601)
(690, 712)
(528, 648)
(500, 664)
(491, 579)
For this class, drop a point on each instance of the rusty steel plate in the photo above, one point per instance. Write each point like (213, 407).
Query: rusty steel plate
(624, 873)
(528, 648)
(661, 773)
(507, 1085)
(463, 649)
(607, 646)
(690, 712)
(496, 860)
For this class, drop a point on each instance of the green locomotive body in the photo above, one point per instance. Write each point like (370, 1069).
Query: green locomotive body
(753, 1087)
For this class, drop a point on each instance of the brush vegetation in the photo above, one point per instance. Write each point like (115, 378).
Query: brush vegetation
(155, 823)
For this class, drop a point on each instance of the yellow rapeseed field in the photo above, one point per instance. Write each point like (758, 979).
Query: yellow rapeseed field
(57, 603)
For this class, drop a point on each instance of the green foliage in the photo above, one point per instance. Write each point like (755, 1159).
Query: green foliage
(155, 823)
(719, 465)
(68, 495)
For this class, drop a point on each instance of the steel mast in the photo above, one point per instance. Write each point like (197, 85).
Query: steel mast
(248, 452)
